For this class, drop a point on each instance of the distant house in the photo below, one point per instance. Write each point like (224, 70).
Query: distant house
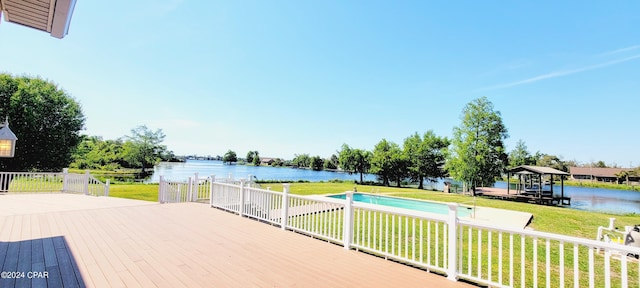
(267, 161)
(598, 174)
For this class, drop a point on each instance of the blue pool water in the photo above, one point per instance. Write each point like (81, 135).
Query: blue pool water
(432, 207)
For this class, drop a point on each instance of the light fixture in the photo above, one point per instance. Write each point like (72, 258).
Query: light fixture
(7, 140)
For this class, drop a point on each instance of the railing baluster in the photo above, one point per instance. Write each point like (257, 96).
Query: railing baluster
(607, 268)
(479, 253)
(413, 239)
(511, 262)
(592, 281)
(489, 255)
(535, 261)
(548, 263)
(469, 250)
(500, 258)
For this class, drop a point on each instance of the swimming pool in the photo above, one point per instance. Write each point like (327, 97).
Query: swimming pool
(425, 206)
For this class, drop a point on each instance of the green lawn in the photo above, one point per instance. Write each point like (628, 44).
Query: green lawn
(147, 192)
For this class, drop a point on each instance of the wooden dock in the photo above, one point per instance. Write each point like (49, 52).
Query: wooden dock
(499, 193)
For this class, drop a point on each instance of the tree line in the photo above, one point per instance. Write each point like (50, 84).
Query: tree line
(475, 155)
(142, 149)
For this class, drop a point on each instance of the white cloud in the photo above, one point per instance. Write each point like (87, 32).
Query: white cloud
(561, 73)
(621, 50)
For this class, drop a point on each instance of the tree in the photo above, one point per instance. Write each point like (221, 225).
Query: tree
(426, 156)
(478, 155)
(144, 147)
(303, 161)
(600, 164)
(95, 153)
(46, 120)
(317, 163)
(229, 157)
(331, 163)
(256, 158)
(355, 160)
(552, 161)
(250, 156)
(388, 162)
(521, 156)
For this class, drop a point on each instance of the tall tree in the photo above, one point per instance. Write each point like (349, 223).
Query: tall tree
(478, 155)
(355, 160)
(331, 163)
(229, 157)
(388, 162)
(552, 161)
(520, 155)
(426, 155)
(250, 156)
(46, 120)
(256, 158)
(317, 163)
(144, 147)
(346, 159)
(302, 161)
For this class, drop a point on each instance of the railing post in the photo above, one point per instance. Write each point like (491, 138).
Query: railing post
(189, 195)
(348, 220)
(106, 188)
(285, 206)
(196, 188)
(86, 182)
(241, 210)
(452, 223)
(161, 191)
(65, 180)
(211, 185)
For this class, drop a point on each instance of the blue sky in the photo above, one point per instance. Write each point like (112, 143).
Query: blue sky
(295, 77)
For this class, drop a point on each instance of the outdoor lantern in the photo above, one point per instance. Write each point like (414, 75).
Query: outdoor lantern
(7, 140)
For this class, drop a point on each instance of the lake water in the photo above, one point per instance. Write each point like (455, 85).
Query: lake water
(597, 199)
(205, 168)
(590, 199)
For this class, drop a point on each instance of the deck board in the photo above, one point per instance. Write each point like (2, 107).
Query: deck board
(143, 244)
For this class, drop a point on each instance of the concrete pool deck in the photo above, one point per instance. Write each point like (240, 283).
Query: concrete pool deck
(501, 218)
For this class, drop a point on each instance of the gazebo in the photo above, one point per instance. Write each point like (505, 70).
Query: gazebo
(538, 172)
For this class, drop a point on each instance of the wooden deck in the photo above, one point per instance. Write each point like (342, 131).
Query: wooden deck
(111, 242)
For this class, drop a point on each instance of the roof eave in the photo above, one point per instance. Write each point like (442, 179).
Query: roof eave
(62, 18)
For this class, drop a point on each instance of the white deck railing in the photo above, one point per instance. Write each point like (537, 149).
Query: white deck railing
(458, 248)
(194, 189)
(21, 182)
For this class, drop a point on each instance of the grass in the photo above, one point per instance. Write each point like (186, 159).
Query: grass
(147, 192)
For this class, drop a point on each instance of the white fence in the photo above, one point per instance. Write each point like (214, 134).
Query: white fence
(65, 182)
(458, 248)
(194, 189)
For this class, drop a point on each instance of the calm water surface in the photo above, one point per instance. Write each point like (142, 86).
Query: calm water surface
(204, 168)
(589, 199)
(597, 199)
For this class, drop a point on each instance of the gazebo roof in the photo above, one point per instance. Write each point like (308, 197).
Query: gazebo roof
(525, 169)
